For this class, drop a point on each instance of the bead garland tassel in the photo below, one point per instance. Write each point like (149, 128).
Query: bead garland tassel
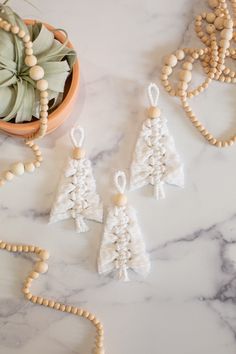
(41, 267)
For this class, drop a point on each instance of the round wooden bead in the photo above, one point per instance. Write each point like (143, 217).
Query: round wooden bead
(219, 23)
(210, 17)
(180, 54)
(187, 65)
(167, 70)
(224, 43)
(78, 153)
(226, 34)
(171, 60)
(228, 23)
(34, 275)
(21, 33)
(15, 29)
(213, 3)
(41, 267)
(120, 199)
(26, 38)
(36, 72)
(30, 60)
(210, 29)
(44, 94)
(154, 112)
(29, 51)
(7, 27)
(42, 85)
(29, 167)
(18, 169)
(44, 255)
(9, 176)
(28, 45)
(185, 75)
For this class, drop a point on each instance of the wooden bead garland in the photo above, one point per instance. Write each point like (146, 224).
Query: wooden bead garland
(41, 267)
(36, 73)
(216, 36)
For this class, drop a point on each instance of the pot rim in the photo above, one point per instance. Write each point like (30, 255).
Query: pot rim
(69, 96)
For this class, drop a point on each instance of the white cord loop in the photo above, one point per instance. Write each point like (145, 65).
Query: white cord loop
(77, 142)
(153, 94)
(120, 181)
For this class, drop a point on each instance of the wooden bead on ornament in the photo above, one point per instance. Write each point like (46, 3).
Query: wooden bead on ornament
(41, 267)
(18, 169)
(154, 112)
(36, 72)
(120, 199)
(30, 60)
(78, 153)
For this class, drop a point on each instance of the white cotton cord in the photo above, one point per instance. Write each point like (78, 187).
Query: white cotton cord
(120, 181)
(77, 142)
(153, 94)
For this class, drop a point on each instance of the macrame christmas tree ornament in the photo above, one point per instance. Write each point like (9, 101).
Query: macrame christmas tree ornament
(155, 160)
(77, 197)
(122, 246)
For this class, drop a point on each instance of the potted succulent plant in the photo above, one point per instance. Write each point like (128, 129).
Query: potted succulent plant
(19, 99)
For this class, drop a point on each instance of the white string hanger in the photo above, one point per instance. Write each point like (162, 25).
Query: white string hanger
(120, 181)
(77, 142)
(153, 94)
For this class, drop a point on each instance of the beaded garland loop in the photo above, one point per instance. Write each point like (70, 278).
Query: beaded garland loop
(216, 35)
(36, 73)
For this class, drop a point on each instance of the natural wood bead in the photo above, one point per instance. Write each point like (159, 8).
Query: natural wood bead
(57, 305)
(18, 169)
(62, 307)
(21, 33)
(15, 29)
(171, 60)
(167, 69)
(210, 17)
(51, 303)
(180, 54)
(26, 38)
(78, 153)
(185, 75)
(154, 112)
(40, 300)
(43, 94)
(120, 199)
(29, 167)
(213, 3)
(210, 28)
(41, 267)
(42, 85)
(226, 34)
(34, 275)
(45, 302)
(219, 23)
(28, 45)
(8, 176)
(29, 51)
(68, 308)
(34, 299)
(30, 60)
(228, 23)
(36, 72)
(44, 255)
(187, 65)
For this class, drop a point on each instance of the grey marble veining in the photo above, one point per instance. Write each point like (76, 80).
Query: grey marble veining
(187, 305)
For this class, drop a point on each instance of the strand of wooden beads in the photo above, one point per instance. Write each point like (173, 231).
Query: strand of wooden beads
(41, 267)
(216, 36)
(36, 73)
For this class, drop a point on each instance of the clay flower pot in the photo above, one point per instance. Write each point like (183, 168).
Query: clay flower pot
(61, 113)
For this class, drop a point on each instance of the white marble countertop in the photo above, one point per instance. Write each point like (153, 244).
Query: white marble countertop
(187, 303)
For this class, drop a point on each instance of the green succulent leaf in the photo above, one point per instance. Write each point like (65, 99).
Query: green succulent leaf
(19, 97)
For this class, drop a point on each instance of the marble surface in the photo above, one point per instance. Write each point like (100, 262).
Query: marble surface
(187, 303)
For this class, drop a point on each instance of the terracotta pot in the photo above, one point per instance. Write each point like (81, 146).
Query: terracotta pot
(61, 113)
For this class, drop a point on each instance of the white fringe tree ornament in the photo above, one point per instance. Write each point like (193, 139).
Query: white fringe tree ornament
(122, 246)
(155, 159)
(77, 197)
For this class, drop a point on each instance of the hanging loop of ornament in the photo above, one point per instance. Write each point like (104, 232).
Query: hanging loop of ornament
(77, 142)
(120, 181)
(212, 58)
(153, 94)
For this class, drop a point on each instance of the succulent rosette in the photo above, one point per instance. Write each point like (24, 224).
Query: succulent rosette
(19, 98)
